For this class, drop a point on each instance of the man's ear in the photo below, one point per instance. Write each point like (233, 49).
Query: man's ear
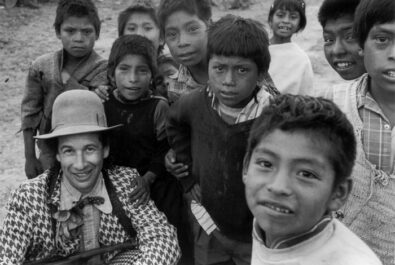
(339, 195)
(58, 157)
(106, 151)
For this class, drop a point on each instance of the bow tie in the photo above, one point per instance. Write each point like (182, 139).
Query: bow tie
(96, 200)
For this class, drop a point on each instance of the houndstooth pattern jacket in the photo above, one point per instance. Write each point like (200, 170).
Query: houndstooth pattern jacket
(28, 235)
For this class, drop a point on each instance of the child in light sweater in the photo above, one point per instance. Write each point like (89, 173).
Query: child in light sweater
(297, 167)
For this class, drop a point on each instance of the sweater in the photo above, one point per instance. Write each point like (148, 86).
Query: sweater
(215, 150)
(335, 245)
(370, 210)
(290, 69)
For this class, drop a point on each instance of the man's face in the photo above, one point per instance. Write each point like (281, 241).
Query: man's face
(78, 36)
(81, 159)
(289, 184)
(186, 37)
(233, 79)
(341, 48)
(379, 56)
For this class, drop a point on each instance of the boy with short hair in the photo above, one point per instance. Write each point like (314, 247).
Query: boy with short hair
(184, 24)
(297, 167)
(208, 132)
(340, 45)
(75, 66)
(370, 106)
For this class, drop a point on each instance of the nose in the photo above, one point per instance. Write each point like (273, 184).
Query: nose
(286, 18)
(79, 163)
(78, 36)
(229, 79)
(183, 40)
(338, 48)
(392, 51)
(133, 77)
(280, 183)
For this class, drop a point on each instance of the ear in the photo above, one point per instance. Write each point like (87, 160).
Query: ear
(106, 151)
(340, 195)
(58, 35)
(58, 157)
(246, 163)
(261, 77)
(360, 52)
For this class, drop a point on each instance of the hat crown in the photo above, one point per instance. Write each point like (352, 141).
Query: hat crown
(76, 108)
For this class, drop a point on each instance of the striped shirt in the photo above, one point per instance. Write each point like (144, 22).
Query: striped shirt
(376, 132)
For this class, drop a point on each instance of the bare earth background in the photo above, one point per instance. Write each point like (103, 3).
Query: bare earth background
(26, 34)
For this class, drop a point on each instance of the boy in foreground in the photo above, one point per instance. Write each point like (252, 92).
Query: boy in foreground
(340, 45)
(300, 155)
(369, 103)
(208, 132)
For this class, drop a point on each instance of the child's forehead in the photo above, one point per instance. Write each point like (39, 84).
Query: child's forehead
(230, 59)
(180, 17)
(80, 20)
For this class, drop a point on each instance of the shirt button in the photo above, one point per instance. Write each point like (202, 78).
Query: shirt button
(387, 126)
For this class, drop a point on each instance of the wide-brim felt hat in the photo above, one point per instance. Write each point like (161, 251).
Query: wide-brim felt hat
(75, 112)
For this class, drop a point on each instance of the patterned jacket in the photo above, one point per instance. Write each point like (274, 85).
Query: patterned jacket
(28, 233)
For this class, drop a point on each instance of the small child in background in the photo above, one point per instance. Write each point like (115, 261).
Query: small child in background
(142, 143)
(75, 66)
(290, 67)
(369, 104)
(297, 167)
(208, 130)
(340, 45)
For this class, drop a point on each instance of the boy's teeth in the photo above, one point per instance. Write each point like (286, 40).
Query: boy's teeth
(278, 209)
(343, 65)
(391, 73)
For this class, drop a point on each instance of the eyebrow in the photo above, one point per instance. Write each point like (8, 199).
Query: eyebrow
(342, 29)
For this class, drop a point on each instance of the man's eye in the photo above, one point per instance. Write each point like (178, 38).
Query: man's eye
(67, 151)
(90, 149)
(328, 41)
(242, 70)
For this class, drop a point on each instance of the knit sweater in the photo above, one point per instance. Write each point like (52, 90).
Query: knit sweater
(370, 209)
(215, 150)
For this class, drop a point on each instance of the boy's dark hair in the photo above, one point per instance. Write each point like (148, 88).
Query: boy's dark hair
(334, 9)
(291, 5)
(236, 36)
(319, 118)
(200, 8)
(77, 8)
(140, 6)
(135, 45)
(370, 13)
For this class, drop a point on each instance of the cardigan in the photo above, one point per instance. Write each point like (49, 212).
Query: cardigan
(214, 151)
(28, 232)
(370, 209)
(334, 245)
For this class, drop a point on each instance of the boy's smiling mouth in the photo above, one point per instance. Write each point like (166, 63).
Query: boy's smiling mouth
(277, 207)
(344, 65)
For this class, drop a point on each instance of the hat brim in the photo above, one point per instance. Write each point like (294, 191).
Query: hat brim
(70, 130)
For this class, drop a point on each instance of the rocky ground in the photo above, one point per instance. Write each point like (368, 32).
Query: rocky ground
(28, 33)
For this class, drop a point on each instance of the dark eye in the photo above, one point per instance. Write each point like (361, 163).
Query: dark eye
(381, 39)
(90, 149)
(242, 70)
(218, 68)
(264, 164)
(328, 41)
(171, 34)
(307, 175)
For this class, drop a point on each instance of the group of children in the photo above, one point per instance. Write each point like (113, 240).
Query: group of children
(219, 152)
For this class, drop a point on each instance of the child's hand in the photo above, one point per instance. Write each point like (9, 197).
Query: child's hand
(103, 92)
(141, 193)
(33, 168)
(179, 170)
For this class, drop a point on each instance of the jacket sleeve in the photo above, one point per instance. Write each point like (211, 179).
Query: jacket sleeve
(179, 136)
(157, 238)
(32, 101)
(17, 230)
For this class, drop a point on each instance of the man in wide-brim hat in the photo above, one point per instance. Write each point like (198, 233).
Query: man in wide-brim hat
(79, 204)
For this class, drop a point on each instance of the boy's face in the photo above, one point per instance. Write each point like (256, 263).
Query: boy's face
(143, 24)
(132, 77)
(289, 184)
(186, 37)
(233, 79)
(341, 48)
(379, 56)
(285, 23)
(78, 36)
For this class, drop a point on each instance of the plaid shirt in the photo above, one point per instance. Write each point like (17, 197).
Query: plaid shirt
(376, 130)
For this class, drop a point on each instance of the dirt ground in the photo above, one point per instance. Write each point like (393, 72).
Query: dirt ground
(26, 34)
